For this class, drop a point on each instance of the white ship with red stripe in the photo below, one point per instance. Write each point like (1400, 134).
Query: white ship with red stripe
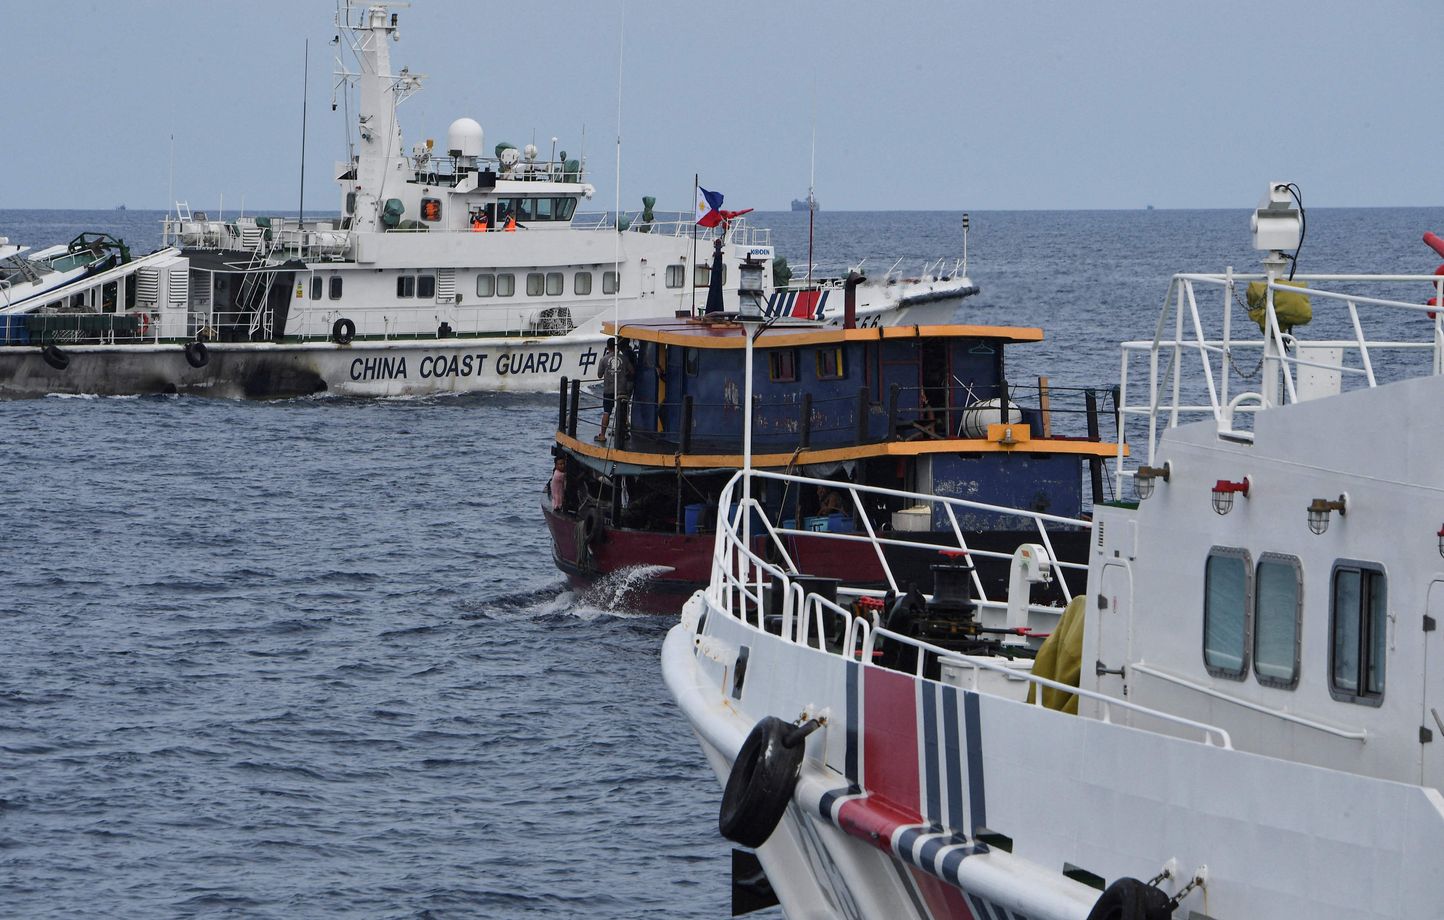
(1253, 725)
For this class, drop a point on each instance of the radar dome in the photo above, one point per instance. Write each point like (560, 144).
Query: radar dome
(509, 157)
(463, 138)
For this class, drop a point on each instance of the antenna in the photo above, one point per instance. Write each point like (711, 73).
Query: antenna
(812, 182)
(170, 189)
(305, 91)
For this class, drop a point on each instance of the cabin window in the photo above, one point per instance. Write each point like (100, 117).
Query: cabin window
(689, 362)
(829, 364)
(425, 285)
(582, 283)
(609, 283)
(335, 287)
(702, 275)
(565, 208)
(535, 284)
(1360, 615)
(485, 285)
(1278, 607)
(525, 209)
(406, 286)
(316, 288)
(675, 275)
(782, 365)
(554, 284)
(544, 209)
(431, 209)
(505, 284)
(1226, 592)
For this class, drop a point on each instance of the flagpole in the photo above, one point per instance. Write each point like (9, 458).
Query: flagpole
(696, 180)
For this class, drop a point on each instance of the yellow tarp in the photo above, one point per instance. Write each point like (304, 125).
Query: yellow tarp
(1291, 309)
(1061, 658)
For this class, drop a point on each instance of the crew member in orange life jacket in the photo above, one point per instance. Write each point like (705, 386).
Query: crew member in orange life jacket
(478, 222)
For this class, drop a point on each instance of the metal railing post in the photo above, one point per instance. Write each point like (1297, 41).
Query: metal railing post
(562, 407)
(576, 396)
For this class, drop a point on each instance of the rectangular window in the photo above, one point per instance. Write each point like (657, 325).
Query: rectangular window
(1360, 616)
(335, 287)
(425, 285)
(554, 284)
(534, 284)
(782, 366)
(544, 209)
(829, 364)
(485, 285)
(675, 275)
(1225, 612)
(316, 288)
(689, 361)
(1278, 606)
(609, 283)
(565, 208)
(431, 209)
(505, 284)
(582, 283)
(701, 275)
(406, 286)
(525, 209)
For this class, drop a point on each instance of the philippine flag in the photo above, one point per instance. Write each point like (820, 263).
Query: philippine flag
(709, 208)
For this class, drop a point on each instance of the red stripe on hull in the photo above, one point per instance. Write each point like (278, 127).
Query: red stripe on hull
(943, 900)
(890, 739)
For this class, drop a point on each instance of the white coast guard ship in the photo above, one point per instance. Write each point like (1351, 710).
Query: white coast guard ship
(1242, 717)
(450, 270)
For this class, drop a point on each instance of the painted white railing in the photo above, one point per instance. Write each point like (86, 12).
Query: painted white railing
(740, 579)
(1191, 360)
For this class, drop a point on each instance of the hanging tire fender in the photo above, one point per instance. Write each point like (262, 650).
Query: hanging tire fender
(1130, 899)
(197, 355)
(343, 331)
(55, 357)
(762, 780)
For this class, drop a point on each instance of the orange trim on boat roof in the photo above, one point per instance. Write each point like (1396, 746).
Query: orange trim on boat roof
(836, 454)
(698, 334)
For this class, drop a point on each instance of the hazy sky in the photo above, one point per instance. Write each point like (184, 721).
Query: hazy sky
(917, 104)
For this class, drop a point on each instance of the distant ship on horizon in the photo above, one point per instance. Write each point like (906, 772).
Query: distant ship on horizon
(805, 204)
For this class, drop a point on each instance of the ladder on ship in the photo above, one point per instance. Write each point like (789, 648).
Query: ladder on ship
(255, 290)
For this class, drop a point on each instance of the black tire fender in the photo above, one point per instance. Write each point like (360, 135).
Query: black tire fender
(591, 524)
(760, 786)
(55, 357)
(197, 355)
(343, 331)
(1130, 899)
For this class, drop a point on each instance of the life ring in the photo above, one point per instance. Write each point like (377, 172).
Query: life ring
(760, 786)
(1130, 899)
(197, 355)
(55, 357)
(343, 331)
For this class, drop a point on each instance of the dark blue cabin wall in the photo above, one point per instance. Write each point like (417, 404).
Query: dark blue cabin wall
(1050, 483)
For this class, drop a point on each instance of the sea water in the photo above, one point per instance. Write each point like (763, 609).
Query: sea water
(311, 658)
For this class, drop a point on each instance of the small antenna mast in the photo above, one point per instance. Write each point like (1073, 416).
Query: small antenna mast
(305, 91)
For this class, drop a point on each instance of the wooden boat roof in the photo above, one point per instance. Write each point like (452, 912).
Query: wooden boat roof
(698, 333)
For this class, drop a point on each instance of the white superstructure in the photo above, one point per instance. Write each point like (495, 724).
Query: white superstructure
(1245, 714)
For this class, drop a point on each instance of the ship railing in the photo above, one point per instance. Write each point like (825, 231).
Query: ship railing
(829, 275)
(739, 574)
(103, 308)
(1371, 329)
(741, 585)
(737, 232)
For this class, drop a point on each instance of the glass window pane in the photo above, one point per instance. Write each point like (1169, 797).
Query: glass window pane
(554, 283)
(609, 282)
(1346, 630)
(544, 209)
(426, 286)
(524, 209)
(1378, 620)
(701, 275)
(566, 207)
(406, 286)
(534, 284)
(1224, 615)
(316, 288)
(583, 283)
(505, 284)
(485, 285)
(335, 287)
(1276, 621)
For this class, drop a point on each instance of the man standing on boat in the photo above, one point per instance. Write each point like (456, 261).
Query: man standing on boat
(615, 370)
